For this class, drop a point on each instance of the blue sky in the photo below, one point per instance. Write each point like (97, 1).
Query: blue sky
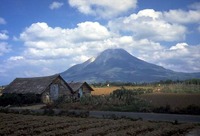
(44, 37)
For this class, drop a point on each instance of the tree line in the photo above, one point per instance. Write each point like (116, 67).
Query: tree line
(194, 81)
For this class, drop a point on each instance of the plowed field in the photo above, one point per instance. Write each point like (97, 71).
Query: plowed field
(16, 124)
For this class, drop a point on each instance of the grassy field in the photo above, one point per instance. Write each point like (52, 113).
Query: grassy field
(16, 124)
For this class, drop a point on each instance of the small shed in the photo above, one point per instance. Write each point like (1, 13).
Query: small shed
(80, 89)
(48, 88)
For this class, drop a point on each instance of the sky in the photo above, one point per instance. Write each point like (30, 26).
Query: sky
(45, 37)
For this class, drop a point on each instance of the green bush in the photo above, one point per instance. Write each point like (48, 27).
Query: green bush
(130, 92)
(119, 100)
(10, 99)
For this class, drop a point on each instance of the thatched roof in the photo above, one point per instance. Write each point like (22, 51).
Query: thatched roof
(76, 85)
(36, 85)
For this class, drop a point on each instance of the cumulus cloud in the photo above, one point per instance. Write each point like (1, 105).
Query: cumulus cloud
(149, 24)
(4, 48)
(86, 31)
(55, 5)
(44, 42)
(179, 46)
(14, 58)
(3, 35)
(103, 8)
(2, 21)
(181, 57)
(183, 17)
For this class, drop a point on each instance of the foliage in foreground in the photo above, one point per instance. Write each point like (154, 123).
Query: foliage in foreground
(119, 100)
(125, 100)
(19, 99)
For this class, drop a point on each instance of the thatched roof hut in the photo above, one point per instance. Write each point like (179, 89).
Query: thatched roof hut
(49, 86)
(80, 89)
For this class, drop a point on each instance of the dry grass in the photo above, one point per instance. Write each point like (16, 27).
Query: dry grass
(172, 99)
(104, 90)
(108, 90)
(15, 124)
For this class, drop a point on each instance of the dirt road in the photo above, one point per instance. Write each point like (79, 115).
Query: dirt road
(146, 116)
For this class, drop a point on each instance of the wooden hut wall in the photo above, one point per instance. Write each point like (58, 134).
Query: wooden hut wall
(62, 91)
(86, 89)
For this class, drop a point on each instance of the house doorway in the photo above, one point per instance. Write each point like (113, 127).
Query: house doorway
(54, 88)
(80, 93)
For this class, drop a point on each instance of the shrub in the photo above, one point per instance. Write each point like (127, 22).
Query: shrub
(120, 100)
(19, 99)
(30, 98)
(10, 99)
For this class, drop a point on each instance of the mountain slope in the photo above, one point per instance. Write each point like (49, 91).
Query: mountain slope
(119, 65)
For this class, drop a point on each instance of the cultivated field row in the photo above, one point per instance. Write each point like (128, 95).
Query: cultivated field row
(16, 124)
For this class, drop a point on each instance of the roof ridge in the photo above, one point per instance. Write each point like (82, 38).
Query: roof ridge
(55, 75)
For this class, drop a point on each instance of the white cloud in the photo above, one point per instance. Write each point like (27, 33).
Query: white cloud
(14, 58)
(180, 57)
(103, 8)
(55, 5)
(179, 46)
(3, 36)
(4, 48)
(2, 21)
(44, 42)
(182, 17)
(149, 24)
(86, 31)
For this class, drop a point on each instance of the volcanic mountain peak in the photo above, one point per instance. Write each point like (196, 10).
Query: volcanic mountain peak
(119, 65)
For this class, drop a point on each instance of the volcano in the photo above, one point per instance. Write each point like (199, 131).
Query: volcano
(117, 65)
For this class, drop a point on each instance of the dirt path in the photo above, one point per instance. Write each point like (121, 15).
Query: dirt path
(134, 115)
(146, 116)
